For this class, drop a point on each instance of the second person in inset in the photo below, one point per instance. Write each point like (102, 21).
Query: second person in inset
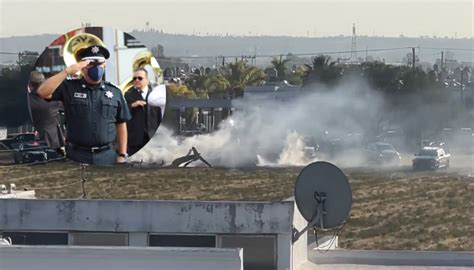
(145, 118)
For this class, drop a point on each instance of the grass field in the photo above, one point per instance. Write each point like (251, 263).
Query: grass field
(392, 209)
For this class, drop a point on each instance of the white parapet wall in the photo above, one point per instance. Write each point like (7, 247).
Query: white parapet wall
(118, 258)
(263, 229)
(146, 216)
(29, 194)
(299, 248)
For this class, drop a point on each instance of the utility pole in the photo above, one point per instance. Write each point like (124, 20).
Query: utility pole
(462, 88)
(255, 55)
(442, 60)
(366, 53)
(413, 60)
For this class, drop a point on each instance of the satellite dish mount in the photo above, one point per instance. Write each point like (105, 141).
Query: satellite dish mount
(318, 216)
(323, 196)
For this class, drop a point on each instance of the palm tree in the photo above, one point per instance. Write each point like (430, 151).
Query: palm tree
(240, 74)
(280, 65)
(205, 85)
(217, 86)
(180, 91)
(381, 76)
(196, 82)
(322, 70)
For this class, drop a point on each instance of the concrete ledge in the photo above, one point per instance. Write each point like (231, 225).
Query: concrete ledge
(312, 266)
(118, 258)
(146, 216)
(389, 257)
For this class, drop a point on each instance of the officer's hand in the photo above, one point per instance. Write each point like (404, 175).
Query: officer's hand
(74, 68)
(121, 160)
(138, 103)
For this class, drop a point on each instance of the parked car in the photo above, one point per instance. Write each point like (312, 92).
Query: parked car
(25, 153)
(393, 137)
(14, 140)
(431, 158)
(51, 153)
(30, 153)
(383, 153)
(26, 148)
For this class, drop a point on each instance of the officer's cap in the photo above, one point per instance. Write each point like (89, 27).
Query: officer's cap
(95, 52)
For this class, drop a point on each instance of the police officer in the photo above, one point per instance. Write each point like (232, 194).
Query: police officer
(95, 110)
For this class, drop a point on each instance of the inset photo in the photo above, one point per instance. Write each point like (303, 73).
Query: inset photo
(96, 95)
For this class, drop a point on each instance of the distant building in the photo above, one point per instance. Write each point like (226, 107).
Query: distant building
(278, 91)
(210, 113)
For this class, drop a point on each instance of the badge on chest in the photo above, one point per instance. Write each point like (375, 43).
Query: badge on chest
(109, 94)
(80, 95)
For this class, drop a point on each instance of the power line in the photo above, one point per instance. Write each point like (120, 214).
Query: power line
(272, 55)
(366, 50)
(449, 49)
(297, 54)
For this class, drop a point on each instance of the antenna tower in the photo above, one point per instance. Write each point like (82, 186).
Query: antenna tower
(354, 45)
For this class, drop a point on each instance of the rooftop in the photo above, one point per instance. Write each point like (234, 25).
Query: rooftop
(392, 208)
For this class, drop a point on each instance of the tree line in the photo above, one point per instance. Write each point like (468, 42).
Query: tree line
(417, 101)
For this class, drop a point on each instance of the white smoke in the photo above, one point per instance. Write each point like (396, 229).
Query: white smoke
(271, 132)
(294, 153)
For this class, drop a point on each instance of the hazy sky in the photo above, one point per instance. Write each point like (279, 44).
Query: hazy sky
(261, 17)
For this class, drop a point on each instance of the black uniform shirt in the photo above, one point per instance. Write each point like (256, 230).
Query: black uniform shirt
(91, 111)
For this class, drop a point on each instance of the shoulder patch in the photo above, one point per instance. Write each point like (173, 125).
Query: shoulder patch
(112, 84)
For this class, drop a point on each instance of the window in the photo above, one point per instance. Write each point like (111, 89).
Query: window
(37, 238)
(99, 239)
(171, 240)
(428, 152)
(259, 250)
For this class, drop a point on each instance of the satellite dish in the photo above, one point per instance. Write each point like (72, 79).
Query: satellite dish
(323, 196)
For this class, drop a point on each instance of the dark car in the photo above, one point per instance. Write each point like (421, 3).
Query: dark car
(431, 158)
(30, 153)
(26, 148)
(51, 153)
(14, 140)
(25, 153)
(383, 154)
